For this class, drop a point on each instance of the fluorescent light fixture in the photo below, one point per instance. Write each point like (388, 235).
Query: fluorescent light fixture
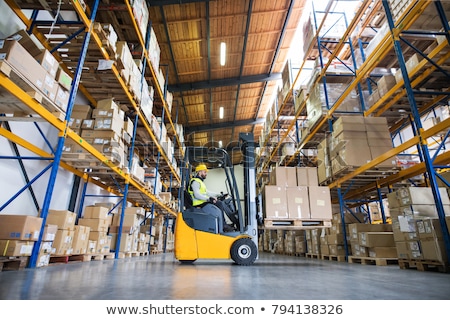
(223, 49)
(220, 144)
(221, 112)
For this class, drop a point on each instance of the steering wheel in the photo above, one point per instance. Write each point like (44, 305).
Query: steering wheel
(222, 196)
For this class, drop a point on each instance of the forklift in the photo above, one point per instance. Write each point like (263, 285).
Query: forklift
(197, 235)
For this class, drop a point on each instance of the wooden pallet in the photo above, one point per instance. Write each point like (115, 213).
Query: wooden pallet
(424, 265)
(333, 258)
(372, 261)
(295, 224)
(13, 263)
(313, 255)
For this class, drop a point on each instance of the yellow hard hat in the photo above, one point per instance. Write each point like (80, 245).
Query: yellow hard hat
(201, 167)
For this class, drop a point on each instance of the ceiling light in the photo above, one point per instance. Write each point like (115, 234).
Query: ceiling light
(223, 48)
(221, 112)
(220, 144)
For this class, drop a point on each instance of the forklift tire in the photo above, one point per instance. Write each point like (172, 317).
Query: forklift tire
(187, 261)
(244, 251)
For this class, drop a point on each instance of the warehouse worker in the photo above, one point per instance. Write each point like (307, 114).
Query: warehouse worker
(201, 197)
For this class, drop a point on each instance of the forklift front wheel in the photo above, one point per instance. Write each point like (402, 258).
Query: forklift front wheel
(244, 251)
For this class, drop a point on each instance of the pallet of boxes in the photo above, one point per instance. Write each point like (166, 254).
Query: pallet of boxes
(417, 229)
(372, 244)
(133, 240)
(18, 234)
(293, 201)
(336, 238)
(163, 234)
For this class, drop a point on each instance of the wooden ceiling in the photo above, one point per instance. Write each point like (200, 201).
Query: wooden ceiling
(258, 35)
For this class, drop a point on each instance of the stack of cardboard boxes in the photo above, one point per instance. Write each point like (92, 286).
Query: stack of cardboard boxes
(417, 229)
(355, 141)
(39, 68)
(294, 193)
(18, 234)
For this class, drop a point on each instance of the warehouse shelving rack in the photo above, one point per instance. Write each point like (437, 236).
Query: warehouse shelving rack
(366, 183)
(132, 191)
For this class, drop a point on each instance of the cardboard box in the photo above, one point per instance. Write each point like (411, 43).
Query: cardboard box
(62, 98)
(348, 123)
(307, 176)
(434, 250)
(95, 212)
(21, 60)
(94, 224)
(19, 227)
(354, 153)
(109, 123)
(80, 239)
(383, 252)
(50, 87)
(385, 83)
(336, 239)
(402, 250)
(298, 202)
(415, 195)
(320, 202)
(63, 242)
(48, 62)
(336, 250)
(46, 247)
(64, 219)
(275, 205)
(82, 111)
(414, 250)
(15, 248)
(429, 229)
(376, 239)
(355, 228)
(64, 79)
(102, 241)
(49, 232)
(283, 177)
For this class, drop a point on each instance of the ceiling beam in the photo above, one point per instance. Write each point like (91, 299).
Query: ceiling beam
(155, 3)
(223, 125)
(223, 82)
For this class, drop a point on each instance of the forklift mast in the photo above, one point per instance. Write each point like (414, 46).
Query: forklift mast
(248, 151)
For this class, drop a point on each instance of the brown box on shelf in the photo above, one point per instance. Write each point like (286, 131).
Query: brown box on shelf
(336, 250)
(275, 202)
(307, 176)
(49, 232)
(385, 83)
(414, 249)
(434, 250)
(95, 212)
(429, 229)
(80, 239)
(297, 202)
(62, 98)
(64, 79)
(101, 240)
(383, 252)
(63, 242)
(402, 249)
(283, 177)
(320, 202)
(359, 250)
(109, 123)
(14, 248)
(82, 111)
(410, 64)
(324, 249)
(354, 153)
(376, 151)
(94, 224)
(355, 228)
(376, 239)
(336, 238)
(50, 87)
(348, 123)
(64, 219)
(19, 227)
(48, 62)
(21, 60)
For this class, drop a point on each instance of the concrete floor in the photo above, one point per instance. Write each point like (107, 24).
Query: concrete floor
(272, 277)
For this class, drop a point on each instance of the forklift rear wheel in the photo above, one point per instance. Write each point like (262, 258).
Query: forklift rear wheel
(244, 251)
(187, 261)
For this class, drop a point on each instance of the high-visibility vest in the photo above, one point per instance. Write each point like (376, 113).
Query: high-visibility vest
(203, 190)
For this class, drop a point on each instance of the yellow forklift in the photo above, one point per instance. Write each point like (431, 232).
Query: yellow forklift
(197, 235)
